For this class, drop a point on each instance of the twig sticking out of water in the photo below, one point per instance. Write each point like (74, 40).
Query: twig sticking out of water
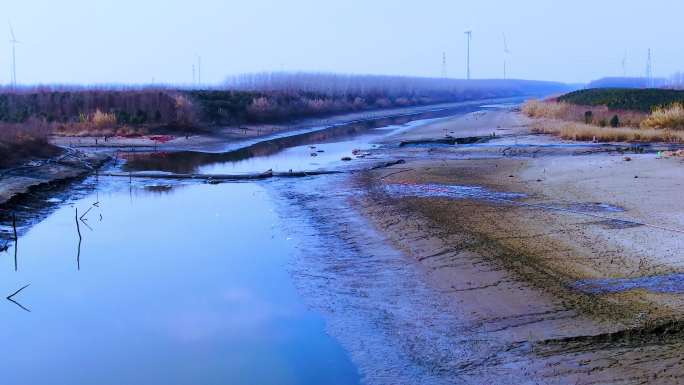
(14, 226)
(16, 241)
(11, 297)
(85, 213)
(80, 238)
(78, 227)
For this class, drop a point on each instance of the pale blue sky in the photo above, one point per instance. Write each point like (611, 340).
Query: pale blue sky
(134, 41)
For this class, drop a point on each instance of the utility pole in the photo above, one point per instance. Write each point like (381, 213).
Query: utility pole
(649, 70)
(14, 42)
(506, 52)
(193, 75)
(469, 36)
(199, 70)
(14, 65)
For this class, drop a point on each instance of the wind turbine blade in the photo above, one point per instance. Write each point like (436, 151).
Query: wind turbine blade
(505, 42)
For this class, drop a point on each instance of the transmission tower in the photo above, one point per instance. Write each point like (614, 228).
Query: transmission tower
(444, 65)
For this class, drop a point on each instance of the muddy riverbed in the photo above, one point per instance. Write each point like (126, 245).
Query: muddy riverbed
(474, 262)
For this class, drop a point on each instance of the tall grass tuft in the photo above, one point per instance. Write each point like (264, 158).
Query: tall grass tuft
(598, 115)
(545, 109)
(671, 117)
(103, 119)
(586, 132)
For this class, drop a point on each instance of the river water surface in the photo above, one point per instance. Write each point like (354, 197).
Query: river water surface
(187, 285)
(191, 283)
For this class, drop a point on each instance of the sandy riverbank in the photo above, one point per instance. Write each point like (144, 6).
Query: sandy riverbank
(85, 153)
(520, 270)
(68, 165)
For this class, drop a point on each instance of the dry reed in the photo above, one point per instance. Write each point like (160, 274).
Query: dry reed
(586, 132)
(671, 117)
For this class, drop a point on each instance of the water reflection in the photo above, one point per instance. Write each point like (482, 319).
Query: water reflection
(669, 283)
(297, 153)
(187, 286)
(11, 298)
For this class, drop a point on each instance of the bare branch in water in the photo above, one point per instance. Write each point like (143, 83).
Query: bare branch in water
(11, 298)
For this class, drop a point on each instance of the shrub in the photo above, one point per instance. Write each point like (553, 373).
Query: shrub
(615, 121)
(545, 109)
(588, 117)
(185, 113)
(103, 120)
(644, 100)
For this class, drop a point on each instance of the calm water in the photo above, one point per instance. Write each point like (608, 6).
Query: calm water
(311, 150)
(185, 286)
(193, 283)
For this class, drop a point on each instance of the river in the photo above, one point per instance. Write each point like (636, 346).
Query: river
(192, 283)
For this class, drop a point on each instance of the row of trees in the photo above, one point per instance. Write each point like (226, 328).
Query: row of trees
(364, 86)
(263, 97)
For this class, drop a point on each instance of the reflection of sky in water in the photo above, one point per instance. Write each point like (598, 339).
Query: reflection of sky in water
(294, 158)
(447, 191)
(299, 158)
(187, 286)
(671, 283)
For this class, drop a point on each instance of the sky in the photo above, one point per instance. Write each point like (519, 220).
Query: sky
(145, 41)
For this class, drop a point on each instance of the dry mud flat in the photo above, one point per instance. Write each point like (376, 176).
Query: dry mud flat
(558, 263)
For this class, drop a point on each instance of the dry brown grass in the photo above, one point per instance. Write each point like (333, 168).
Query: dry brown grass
(20, 142)
(545, 109)
(585, 132)
(84, 129)
(600, 116)
(32, 130)
(568, 122)
(671, 117)
(103, 119)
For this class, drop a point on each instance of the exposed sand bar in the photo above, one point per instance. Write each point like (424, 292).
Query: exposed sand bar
(514, 268)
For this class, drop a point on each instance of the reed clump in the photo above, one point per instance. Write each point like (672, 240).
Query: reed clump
(22, 141)
(546, 109)
(670, 117)
(586, 132)
(103, 119)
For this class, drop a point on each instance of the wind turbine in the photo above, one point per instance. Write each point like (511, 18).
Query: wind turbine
(624, 65)
(469, 37)
(13, 41)
(506, 53)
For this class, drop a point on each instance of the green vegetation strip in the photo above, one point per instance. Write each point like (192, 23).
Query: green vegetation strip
(644, 100)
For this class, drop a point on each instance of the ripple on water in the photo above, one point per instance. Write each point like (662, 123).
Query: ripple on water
(670, 283)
